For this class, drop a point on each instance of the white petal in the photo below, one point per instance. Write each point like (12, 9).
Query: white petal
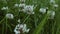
(10, 16)
(52, 1)
(19, 20)
(43, 10)
(4, 8)
(55, 5)
(29, 9)
(52, 14)
(22, 0)
(22, 5)
(16, 5)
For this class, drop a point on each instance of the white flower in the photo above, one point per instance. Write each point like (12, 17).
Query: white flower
(43, 10)
(16, 5)
(29, 9)
(22, 5)
(52, 1)
(21, 26)
(55, 5)
(10, 16)
(22, 1)
(17, 31)
(19, 20)
(4, 8)
(52, 14)
(17, 28)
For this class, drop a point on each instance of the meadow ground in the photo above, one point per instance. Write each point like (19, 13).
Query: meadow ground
(38, 22)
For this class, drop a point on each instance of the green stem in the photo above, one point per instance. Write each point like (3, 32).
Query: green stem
(2, 20)
(26, 18)
(40, 26)
(6, 25)
(53, 27)
(9, 27)
(2, 28)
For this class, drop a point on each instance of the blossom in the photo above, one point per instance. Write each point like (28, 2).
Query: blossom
(43, 10)
(52, 1)
(9, 15)
(16, 5)
(4, 8)
(22, 1)
(22, 27)
(29, 9)
(19, 20)
(52, 14)
(55, 5)
(22, 5)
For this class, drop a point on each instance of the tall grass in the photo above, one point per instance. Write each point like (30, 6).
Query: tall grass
(7, 26)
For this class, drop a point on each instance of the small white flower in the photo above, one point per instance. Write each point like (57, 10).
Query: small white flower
(52, 1)
(22, 1)
(16, 5)
(21, 26)
(24, 28)
(55, 5)
(19, 20)
(22, 5)
(29, 9)
(4, 8)
(16, 31)
(52, 14)
(10, 16)
(43, 10)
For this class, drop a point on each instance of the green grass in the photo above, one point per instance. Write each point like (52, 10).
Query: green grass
(37, 27)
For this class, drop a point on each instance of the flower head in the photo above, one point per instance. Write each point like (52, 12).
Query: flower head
(16, 5)
(52, 1)
(29, 9)
(55, 5)
(22, 5)
(19, 20)
(21, 28)
(9, 16)
(52, 14)
(4, 8)
(23, 1)
(43, 10)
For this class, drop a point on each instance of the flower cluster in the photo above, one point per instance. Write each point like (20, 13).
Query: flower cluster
(53, 2)
(29, 9)
(4, 8)
(21, 28)
(25, 8)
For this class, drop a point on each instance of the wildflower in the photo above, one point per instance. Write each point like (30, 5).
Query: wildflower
(29, 9)
(52, 1)
(10, 16)
(55, 5)
(21, 28)
(23, 1)
(52, 14)
(43, 10)
(19, 20)
(16, 5)
(22, 5)
(4, 8)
